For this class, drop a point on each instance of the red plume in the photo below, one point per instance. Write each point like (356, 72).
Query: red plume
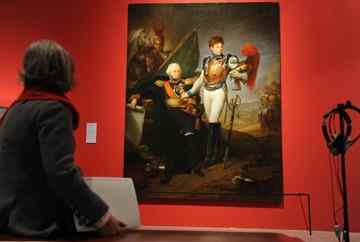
(252, 60)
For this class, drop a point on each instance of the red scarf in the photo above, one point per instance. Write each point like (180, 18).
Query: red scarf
(36, 94)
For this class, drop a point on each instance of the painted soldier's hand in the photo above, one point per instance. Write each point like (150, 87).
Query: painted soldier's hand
(134, 100)
(189, 81)
(184, 95)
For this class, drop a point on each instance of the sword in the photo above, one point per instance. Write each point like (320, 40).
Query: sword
(233, 104)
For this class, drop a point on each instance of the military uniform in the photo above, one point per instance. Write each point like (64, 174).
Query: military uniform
(182, 111)
(215, 70)
(174, 122)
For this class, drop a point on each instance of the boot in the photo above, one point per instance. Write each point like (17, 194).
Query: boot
(209, 146)
(216, 146)
(194, 155)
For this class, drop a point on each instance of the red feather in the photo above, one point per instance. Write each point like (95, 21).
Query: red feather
(252, 60)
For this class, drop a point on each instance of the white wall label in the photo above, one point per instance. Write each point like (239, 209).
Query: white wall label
(91, 133)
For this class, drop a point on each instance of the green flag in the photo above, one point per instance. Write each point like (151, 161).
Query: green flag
(186, 54)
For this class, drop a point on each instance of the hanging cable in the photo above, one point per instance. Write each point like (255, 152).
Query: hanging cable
(304, 212)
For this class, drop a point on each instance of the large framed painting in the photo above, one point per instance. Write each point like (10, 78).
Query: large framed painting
(203, 110)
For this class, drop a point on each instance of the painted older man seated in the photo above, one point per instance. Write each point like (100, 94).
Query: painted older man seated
(173, 86)
(174, 119)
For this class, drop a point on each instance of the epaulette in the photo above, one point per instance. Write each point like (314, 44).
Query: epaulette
(205, 60)
(228, 56)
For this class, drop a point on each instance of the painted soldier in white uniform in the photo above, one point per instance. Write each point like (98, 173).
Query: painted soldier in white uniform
(215, 70)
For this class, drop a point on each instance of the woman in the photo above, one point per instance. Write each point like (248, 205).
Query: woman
(40, 186)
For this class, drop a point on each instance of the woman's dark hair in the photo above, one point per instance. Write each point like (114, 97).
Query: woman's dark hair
(46, 65)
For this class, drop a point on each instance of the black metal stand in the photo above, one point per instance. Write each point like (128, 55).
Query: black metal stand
(346, 229)
(342, 147)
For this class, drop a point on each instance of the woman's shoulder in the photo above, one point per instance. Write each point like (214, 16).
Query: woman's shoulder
(35, 106)
(42, 110)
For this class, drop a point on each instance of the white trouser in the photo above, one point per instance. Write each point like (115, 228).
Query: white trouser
(213, 102)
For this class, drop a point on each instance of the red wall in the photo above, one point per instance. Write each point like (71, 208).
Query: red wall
(320, 67)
